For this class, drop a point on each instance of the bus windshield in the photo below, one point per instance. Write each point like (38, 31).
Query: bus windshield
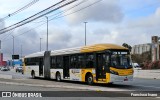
(120, 60)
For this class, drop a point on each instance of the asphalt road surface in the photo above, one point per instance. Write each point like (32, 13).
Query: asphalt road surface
(25, 83)
(137, 84)
(55, 92)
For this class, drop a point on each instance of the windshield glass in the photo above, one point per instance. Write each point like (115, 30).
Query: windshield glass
(120, 60)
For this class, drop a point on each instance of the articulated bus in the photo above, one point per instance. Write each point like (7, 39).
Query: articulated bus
(99, 63)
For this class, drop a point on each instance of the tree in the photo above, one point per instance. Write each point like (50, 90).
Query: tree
(127, 46)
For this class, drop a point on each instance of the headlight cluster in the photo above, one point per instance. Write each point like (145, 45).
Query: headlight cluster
(113, 72)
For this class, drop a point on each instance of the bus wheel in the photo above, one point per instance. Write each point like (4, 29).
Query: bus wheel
(89, 79)
(58, 77)
(33, 74)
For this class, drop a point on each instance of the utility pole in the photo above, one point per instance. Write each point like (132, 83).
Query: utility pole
(40, 43)
(13, 52)
(47, 33)
(21, 51)
(85, 32)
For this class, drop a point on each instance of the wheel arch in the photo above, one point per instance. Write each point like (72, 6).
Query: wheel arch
(87, 74)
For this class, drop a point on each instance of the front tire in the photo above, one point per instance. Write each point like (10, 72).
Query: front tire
(58, 77)
(89, 79)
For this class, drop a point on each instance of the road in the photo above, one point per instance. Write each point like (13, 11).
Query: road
(25, 83)
(14, 74)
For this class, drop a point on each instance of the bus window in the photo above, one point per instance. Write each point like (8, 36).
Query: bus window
(53, 62)
(80, 61)
(89, 61)
(59, 62)
(73, 61)
(120, 61)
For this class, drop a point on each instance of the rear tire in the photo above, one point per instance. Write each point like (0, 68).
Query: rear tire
(58, 77)
(89, 79)
(33, 75)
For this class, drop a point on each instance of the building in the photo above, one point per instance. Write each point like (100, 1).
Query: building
(152, 47)
(155, 48)
(2, 63)
(141, 48)
(14, 63)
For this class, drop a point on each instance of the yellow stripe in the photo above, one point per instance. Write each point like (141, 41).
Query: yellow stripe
(84, 72)
(122, 72)
(108, 77)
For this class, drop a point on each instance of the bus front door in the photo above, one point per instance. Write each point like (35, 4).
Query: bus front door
(66, 66)
(100, 68)
(40, 66)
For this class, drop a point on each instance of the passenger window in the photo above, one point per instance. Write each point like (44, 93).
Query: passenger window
(80, 62)
(73, 61)
(59, 62)
(89, 61)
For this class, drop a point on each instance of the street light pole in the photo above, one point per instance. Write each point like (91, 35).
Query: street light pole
(40, 43)
(47, 33)
(13, 44)
(13, 52)
(85, 32)
(21, 51)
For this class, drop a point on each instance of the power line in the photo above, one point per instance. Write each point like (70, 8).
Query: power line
(69, 8)
(7, 35)
(57, 17)
(34, 17)
(19, 10)
(61, 12)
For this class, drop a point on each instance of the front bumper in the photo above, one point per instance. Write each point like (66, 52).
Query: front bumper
(117, 78)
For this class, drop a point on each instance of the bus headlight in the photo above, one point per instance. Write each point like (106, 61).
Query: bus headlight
(113, 72)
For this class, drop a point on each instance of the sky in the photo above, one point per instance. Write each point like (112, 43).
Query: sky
(108, 21)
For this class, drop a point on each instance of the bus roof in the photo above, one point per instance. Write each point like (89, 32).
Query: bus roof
(84, 49)
(101, 47)
(37, 54)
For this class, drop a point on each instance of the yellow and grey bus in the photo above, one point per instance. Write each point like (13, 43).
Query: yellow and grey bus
(99, 63)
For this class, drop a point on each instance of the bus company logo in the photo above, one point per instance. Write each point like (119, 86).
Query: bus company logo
(6, 94)
(75, 71)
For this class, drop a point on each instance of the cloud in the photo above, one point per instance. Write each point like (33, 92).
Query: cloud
(59, 39)
(139, 31)
(104, 11)
(147, 21)
(106, 24)
(30, 41)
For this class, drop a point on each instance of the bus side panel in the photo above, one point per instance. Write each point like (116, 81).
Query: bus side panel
(28, 70)
(75, 74)
(53, 73)
(88, 70)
